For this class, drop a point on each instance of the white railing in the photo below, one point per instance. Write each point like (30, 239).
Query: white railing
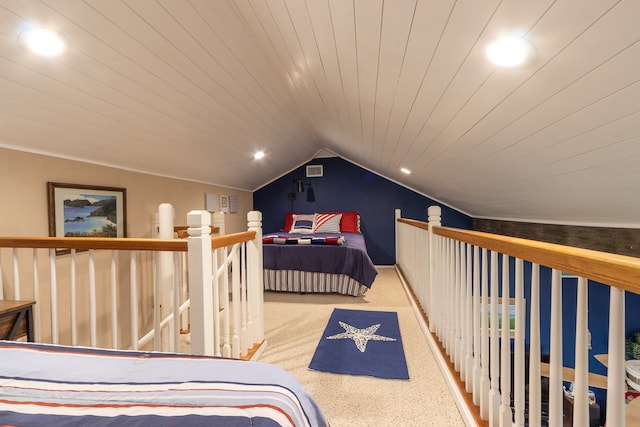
(456, 275)
(227, 327)
(108, 293)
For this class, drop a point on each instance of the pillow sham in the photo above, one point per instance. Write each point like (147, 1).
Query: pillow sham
(327, 223)
(303, 223)
(350, 222)
(288, 221)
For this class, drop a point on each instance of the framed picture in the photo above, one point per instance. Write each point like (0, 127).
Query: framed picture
(512, 317)
(86, 210)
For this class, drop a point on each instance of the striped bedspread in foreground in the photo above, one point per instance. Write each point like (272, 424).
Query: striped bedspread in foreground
(47, 385)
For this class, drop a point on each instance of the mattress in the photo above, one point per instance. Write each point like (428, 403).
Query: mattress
(46, 385)
(349, 258)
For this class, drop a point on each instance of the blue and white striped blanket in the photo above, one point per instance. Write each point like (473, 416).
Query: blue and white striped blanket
(47, 385)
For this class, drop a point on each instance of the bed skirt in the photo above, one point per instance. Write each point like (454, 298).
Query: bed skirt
(312, 282)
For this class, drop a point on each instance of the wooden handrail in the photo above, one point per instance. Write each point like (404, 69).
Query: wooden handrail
(620, 271)
(415, 223)
(123, 244)
(232, 239)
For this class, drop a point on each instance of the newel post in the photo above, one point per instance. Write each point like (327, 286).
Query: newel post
(200, 284)
(218, 221)
(398, 215)
(434, 214)
(255, 272)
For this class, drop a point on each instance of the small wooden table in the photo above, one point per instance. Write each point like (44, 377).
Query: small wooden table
(16, 320)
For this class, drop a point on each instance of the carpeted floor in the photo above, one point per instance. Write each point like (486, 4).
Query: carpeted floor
(294, 324)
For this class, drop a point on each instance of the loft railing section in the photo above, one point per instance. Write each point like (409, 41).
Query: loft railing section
(110, 292)
(462, 280)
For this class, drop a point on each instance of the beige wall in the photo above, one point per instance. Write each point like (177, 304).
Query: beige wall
(23, 212)
(23, 188)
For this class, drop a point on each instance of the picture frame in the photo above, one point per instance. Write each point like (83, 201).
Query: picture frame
(512, 317)
(77, 210)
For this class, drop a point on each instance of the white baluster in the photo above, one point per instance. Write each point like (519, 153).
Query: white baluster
(114, 302)
(434, 213)
(469, 322)
(581, 385)
(226, 323)
(616, 368)
(477, 337)
(74, 302)
(177, 295)
(217, 310)
(453, 304)
(244, 302)
(53, 285)
(485, 384)
(555, 349)
(535, 406)
(506, 417)
(93, 327)
(157, 303)
(519, 359)
(457, 310)
(36, 294)
(494, 395)
(133, 269)
(235, 302)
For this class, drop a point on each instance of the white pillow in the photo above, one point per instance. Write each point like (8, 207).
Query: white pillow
(327, 223)
(302, 224)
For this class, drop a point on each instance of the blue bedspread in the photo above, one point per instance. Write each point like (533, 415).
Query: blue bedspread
(350, 258)
(46, 385)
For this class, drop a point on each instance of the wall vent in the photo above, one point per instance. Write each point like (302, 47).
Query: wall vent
(314, 171)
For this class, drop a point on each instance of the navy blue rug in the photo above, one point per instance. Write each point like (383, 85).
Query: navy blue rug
(361, 342)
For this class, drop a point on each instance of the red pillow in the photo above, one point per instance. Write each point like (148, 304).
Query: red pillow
(349, 222)
(288, 222)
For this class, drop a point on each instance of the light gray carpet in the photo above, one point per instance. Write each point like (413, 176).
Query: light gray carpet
(294, 324)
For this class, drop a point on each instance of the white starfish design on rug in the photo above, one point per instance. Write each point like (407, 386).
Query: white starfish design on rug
(360, 336)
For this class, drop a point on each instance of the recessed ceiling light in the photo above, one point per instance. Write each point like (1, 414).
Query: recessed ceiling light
(510, 51)
(258, 155)
(42, 42)
(405, 171)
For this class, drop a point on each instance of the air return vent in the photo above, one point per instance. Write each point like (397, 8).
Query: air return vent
(314, 171)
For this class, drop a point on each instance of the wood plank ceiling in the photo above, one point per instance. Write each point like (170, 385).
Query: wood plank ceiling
(192, 88)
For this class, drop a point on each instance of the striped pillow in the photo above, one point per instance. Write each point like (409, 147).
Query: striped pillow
(302, 224)
(327, 223)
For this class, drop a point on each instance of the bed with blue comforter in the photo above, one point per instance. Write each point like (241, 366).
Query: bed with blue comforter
(50, 385)
(317, 263)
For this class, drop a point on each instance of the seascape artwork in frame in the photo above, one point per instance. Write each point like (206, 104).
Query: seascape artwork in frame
(86, 210)
(512, 317)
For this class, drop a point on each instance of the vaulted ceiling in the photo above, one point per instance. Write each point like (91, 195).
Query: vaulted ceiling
(192, 88)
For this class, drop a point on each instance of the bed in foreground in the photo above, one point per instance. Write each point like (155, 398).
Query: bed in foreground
(322, 252)
(44, 385)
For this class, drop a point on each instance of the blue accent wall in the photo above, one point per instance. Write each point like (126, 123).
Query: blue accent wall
(347, 187)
